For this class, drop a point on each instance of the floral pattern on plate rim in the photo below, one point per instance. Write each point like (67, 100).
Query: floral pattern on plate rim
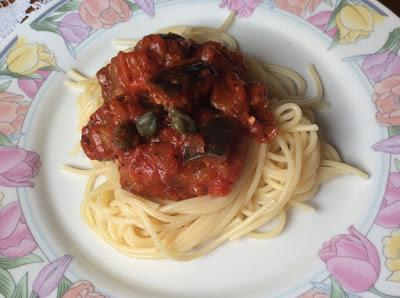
(25, 66)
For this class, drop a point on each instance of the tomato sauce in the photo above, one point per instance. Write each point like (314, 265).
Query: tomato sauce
(177, 117)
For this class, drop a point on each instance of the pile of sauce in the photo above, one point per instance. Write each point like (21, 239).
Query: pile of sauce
(177, 117)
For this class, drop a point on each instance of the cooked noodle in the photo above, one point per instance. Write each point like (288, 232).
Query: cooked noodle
(284, 173)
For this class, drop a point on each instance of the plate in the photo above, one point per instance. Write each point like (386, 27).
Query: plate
(349, 247)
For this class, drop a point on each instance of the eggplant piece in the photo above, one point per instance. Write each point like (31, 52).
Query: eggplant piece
(171, 35)
(182, 77)
(195, 69)
(219, 135)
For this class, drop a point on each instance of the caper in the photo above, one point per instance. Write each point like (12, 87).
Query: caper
(147, 124)
(125, 136)
(181, 121)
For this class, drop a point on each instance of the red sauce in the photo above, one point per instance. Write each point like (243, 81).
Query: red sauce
(177, 118)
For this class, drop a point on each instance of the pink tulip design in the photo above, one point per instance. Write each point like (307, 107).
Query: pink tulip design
(49, 277)
(12, 112)
(352, 260)
(387, 100)
(147, 6)
(32, 86)
(389, 215)
(82, 289)
(16, 240)
(380, 66)
(18, 166)
(243, 8)
(390, 145)
(320, 20)
(104, 13)
(73, 29)
(298, 7)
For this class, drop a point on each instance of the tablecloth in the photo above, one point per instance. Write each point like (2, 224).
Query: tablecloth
(12, 12)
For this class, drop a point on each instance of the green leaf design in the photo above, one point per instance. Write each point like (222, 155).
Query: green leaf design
(4, 86)
(51, 23)
(3, 62)
(53, 18)
(53, 68)
(70, 6)
(394, 131)
(332, 19)
(63, 286)
(5, 142)
(47, 27)
(7, 284)
(337, 290)
(21, 290)
(393, 41)
(7, 73)
(397, 164)
(132, 6)
(6, 263)
(329, 2)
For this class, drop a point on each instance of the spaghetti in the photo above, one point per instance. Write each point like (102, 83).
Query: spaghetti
(284, 173)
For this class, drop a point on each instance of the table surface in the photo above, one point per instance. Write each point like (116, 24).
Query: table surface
(394, 5)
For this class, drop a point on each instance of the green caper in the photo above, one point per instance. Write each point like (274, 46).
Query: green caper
(147, 124)
(125, 136)
(182, 122)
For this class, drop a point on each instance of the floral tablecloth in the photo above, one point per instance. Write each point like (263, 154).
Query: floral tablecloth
(12, 12)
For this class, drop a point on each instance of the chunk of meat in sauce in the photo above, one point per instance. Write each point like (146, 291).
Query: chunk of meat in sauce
(111, 129)
(235, 97)
(182, 86)
(159, 169)
(130, 72)
(148, 169)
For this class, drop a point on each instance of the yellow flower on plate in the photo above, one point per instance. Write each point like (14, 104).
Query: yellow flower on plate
(26, 58)
(355, 22)
(391, 250)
